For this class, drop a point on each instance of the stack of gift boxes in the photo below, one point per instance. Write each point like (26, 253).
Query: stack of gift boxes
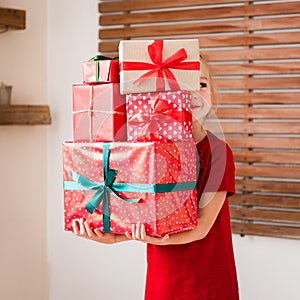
(132, 158)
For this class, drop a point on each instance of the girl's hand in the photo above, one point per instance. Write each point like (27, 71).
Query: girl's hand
(81, 228)
(206, 218)
(139, 234)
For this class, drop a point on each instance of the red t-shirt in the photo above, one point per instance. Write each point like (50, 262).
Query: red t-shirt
(204, 269)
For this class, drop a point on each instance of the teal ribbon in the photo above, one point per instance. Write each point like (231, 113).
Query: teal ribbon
(96, 58)
(134, 187)
(109, 186)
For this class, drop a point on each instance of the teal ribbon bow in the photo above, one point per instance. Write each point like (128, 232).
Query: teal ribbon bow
(102, 188)
(96, 58)
(109, 186)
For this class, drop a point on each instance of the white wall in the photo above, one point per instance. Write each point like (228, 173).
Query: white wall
(80, 269)
(23, 264)
(268, 268)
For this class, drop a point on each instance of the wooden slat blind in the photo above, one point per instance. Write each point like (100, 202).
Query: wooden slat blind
(253, 49)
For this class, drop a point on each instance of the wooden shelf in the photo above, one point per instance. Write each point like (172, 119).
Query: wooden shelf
(12, 18)
(25, 115)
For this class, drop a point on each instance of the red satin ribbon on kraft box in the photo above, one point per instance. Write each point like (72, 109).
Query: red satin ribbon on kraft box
(160, 65)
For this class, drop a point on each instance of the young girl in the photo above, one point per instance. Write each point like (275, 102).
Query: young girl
(197, 264)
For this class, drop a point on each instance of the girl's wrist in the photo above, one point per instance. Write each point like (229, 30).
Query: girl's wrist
(120, 238)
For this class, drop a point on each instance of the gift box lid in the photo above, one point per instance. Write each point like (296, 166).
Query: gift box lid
(159, 65)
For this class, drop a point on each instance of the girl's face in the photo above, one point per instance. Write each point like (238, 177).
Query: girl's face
(205, 91)
(201, 101)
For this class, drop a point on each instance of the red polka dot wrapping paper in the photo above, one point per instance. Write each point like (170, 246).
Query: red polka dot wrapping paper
(99, 113)
(136, 162)
(166, 115)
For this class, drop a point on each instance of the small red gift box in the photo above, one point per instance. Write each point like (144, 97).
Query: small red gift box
(101, 69)
(113, 185)
(159, 65)
(165, 115)
(99, 113)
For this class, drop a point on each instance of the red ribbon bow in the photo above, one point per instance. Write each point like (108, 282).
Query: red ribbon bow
(160, 68)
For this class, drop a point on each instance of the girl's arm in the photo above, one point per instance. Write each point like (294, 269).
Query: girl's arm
(206, 218)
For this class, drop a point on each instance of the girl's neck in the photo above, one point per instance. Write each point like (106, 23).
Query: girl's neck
(199, 135)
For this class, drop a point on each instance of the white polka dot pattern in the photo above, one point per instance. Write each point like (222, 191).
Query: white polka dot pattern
(165, 115)
(138, 162)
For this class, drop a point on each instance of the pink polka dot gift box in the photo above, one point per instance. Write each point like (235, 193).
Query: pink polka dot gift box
(112, 185)
(164, 115)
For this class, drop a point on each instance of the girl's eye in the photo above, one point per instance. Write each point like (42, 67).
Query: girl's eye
(203, 85)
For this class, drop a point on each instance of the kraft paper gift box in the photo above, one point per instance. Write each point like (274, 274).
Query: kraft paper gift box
(112, 185)
(99, 113)
(101, 69)
(163, 115)
(159, 65)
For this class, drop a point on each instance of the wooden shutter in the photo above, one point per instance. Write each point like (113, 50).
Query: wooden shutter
(253, 49)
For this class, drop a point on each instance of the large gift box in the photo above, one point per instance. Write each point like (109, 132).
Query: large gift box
(101, 69)
(163, 115)
(113, 185)
(99, 113)
(159, 65)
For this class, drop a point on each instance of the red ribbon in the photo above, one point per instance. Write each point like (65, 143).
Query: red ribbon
(160, 68)
(160, 111)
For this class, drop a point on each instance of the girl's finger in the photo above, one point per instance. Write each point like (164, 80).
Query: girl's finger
(128, 235)
(133, 228)
(143, 233)
(165, 237)
(88, 229)
(98, 232)
(138, 231)
(82, 227)
(75, 226)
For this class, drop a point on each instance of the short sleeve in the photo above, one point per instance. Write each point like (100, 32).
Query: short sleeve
(228, 181)
(218, 171)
